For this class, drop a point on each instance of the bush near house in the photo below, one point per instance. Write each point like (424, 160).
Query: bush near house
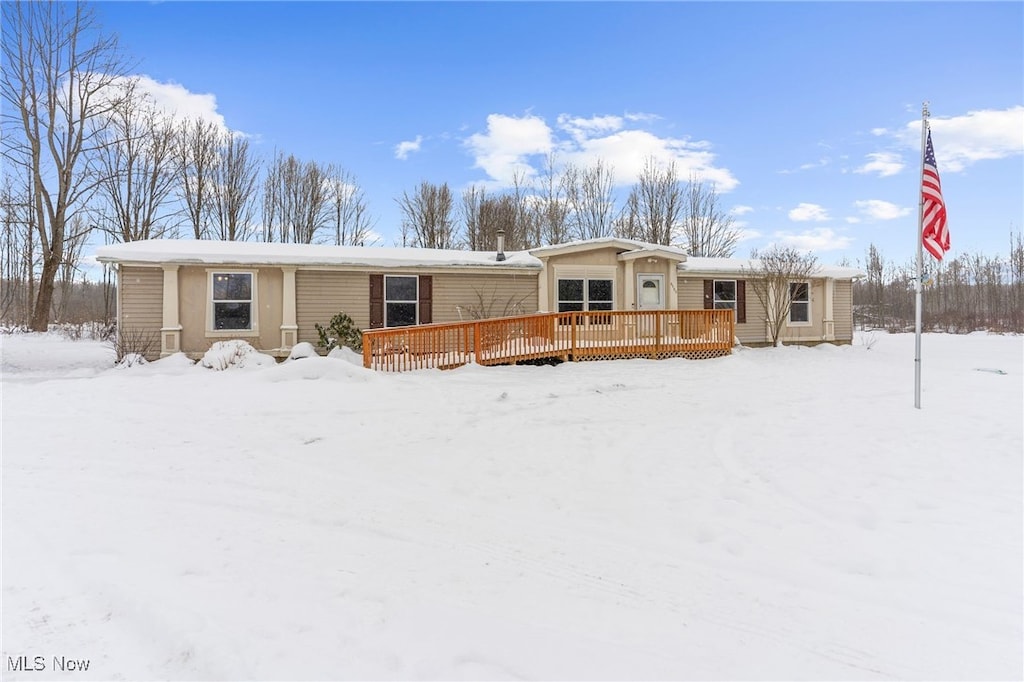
(341, 331)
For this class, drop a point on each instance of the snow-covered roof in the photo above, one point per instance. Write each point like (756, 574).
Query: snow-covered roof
(185, 251)
(738, 266)
(625, 244)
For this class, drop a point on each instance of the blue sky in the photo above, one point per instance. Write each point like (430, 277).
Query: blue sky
(804, 114)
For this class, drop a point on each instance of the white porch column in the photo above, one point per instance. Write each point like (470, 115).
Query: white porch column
(828, 317)
(672, 286)
(543, 302)
(170, 330)
(289, 325)
(629, 300)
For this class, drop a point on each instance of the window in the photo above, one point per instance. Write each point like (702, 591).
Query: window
(586, 294)
(401, 294)
(799, 303)
(725, 294)
(570, 295)
(232, 297)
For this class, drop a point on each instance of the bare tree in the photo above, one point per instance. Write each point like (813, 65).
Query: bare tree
(196, 154)
(233, 196)
(56, 67)
(551, 206)
(707, 227)
(591, 201)
(296, 201)
(485, 215)
(654, 205)
(476, 232)
(137, 165)
(776, 280)
(69, 271)
(427, 217)
(17, 252)
(352, 221)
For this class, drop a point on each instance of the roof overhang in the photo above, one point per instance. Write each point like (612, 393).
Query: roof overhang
(655, 252)
(208, 252)
(624, 246)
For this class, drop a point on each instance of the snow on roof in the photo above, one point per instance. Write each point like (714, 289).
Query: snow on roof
(262, 253)
(629, 244)
(737, 266)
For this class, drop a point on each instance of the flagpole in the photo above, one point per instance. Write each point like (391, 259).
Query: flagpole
(920, 257)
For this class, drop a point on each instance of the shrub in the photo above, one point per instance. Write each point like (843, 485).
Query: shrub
(341, 331)
(235, 353)
(132, 342)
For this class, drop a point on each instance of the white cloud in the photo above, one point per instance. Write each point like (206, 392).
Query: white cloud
(961, 141)
(503, 151)
(808, 212)
(175, 99)
(816, 240)
(746, 235)
(824, 161)
(641, 117)
(742, 210)
(403, 149)
(511, 145)
(876, 209)
(582, 128)
(883, 163)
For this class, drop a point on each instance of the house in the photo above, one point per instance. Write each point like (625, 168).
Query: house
(190, 294)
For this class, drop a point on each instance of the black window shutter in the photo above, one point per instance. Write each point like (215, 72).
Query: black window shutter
(426, 299)
(741, 301)
(709, 294)
(376, 301)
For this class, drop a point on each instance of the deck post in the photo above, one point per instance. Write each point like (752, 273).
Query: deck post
(476, 343)
(657, 333)
(572, 337)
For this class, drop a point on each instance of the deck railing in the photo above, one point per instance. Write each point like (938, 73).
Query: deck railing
(568, 336)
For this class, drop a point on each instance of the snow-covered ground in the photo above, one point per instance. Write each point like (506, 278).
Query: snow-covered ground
(776, 514)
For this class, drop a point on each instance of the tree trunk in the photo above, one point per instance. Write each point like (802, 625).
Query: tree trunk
(44, 298)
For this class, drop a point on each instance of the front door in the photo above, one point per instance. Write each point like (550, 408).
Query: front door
(650, 295)
(650, 292)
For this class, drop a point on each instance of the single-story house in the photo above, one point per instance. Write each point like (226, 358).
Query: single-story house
(191, 293)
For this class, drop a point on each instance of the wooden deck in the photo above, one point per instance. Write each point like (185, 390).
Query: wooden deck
(588, 335)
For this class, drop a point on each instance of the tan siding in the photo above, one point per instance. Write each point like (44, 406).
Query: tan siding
(842, 311)
(142, 304)
(322, 294)
(485, 295)
(691, 297)
(600, 257)
(816, 330)
(194, 302)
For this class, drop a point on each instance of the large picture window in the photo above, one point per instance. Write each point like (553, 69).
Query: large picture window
(577, 294)
(232, 298)
(799, 303)
(401, 294)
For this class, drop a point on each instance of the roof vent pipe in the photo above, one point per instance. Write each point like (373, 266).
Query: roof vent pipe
(501, 246)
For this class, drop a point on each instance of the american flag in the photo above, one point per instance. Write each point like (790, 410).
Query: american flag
(934, 230)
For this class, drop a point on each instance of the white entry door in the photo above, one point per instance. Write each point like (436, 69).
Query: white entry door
(650, 295)
(650, 292)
